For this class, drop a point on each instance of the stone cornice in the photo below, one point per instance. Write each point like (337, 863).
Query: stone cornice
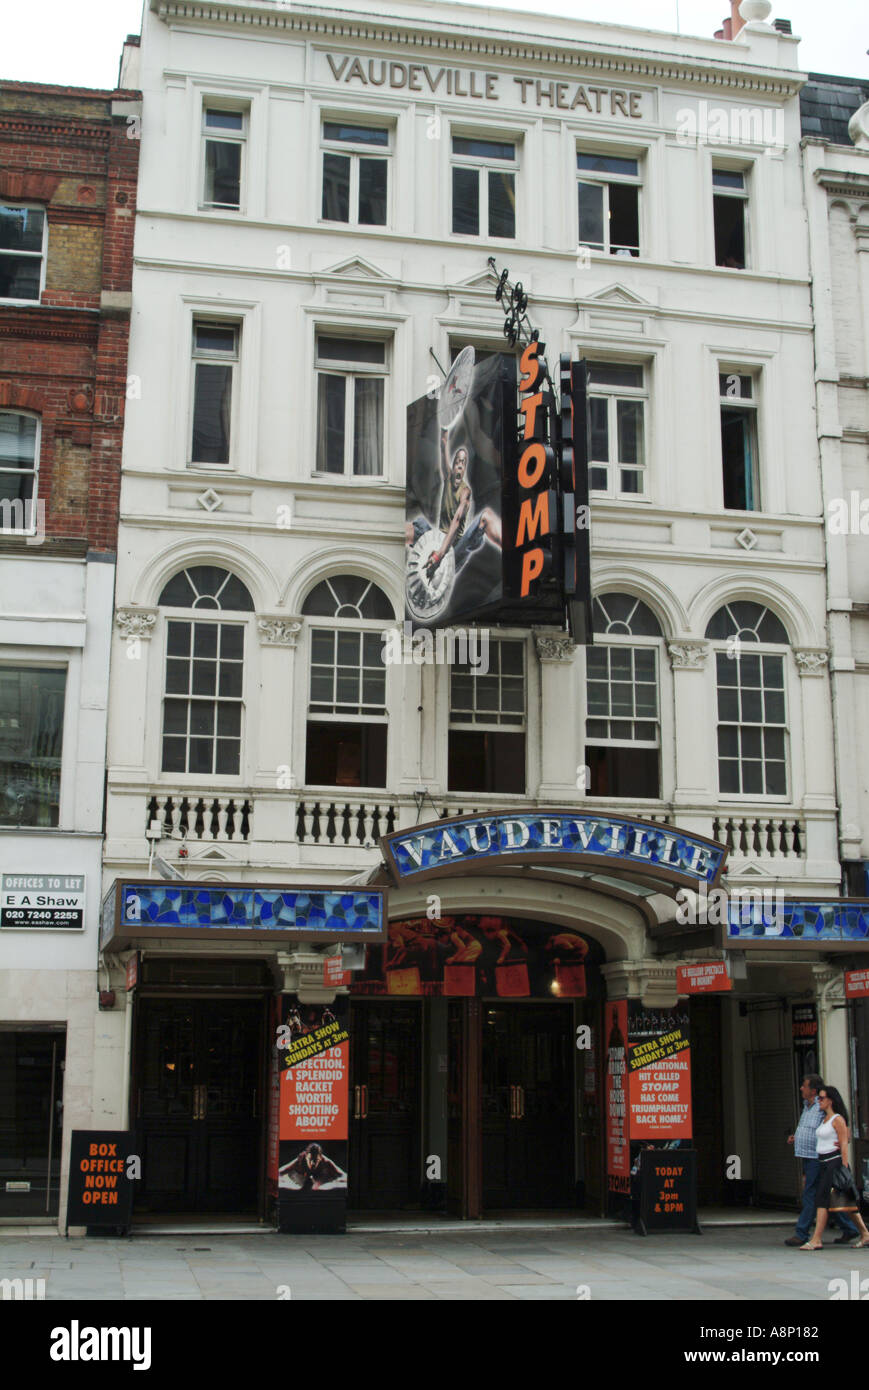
(467, 42)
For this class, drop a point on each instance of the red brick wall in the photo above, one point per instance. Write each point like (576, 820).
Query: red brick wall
(65, 358)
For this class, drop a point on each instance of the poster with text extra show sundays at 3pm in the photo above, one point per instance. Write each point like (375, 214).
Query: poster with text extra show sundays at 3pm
(314, 1052)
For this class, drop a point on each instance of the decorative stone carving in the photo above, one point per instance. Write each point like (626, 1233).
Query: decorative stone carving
(554, 646)
(858, 127)
(279, 632)
(652, 982)
(210, 500)
(687, 656)
(755, 11)
(811, 662)
(136, 622)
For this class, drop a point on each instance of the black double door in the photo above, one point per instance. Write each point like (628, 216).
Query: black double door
(527, 1106)
(385, 1105)
(198, 1105)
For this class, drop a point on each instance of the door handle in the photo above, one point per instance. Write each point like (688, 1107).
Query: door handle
(253, 1105)
(357, 1105)
(365, 1102)
(512, 1102)
(520, 1099)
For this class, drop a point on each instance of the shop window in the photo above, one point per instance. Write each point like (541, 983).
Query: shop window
(215, 365)
(19, 463)
(487, 723)
(32, 700)
(203, 688)
(739, 453)
(355, 173)
(617, 410)
(346, 740)
(224, 136)
(622, 727)
(351, 382)
(609, 203)
(729, 211)
(752, 716)
(23, 235)
(484, 186)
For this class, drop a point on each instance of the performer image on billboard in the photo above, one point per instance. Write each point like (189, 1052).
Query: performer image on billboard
(312, 1171)
(454, 457)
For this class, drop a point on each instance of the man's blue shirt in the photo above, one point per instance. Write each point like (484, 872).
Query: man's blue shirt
(806, 1135)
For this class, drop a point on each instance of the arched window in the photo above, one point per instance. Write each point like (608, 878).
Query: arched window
(202, 705)
(346, 730)
(622, 727)
(19, 463)
(752, 714)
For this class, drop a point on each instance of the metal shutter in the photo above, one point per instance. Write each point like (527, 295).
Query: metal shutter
(776, 1172)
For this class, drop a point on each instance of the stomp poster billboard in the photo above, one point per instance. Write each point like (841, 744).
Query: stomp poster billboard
(648, 1084)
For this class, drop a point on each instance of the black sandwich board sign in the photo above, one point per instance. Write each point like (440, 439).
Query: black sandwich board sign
(100, 1188)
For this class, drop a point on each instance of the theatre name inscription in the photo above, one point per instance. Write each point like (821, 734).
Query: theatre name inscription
(431, 80)
(472, 842)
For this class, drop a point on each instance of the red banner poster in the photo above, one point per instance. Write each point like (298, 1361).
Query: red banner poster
(707, 978)
(511, 981)
(333, 971)
(659, 1074)
(315, 1082)
(857, 984)
(617, 1139)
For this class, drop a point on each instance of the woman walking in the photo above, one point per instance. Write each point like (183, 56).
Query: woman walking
(832, 1135)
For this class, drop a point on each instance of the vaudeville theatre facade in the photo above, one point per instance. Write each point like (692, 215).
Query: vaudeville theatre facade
(526, 841)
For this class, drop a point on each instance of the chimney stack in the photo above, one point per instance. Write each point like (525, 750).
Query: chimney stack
(731, 26)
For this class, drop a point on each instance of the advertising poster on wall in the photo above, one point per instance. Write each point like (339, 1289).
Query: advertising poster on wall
(470, 956)
(659, 1073)
(618, 1158)
(314, 1051)
(453, 491)
(804, 1034)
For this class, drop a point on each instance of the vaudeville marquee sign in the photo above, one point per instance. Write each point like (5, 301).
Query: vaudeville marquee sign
(471, 843)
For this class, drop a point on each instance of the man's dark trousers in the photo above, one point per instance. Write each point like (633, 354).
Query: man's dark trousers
(812, 1171)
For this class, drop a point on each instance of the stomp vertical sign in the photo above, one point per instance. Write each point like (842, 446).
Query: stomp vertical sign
(313, 1126)
(617, 1136)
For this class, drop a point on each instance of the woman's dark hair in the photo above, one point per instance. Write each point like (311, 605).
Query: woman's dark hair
(838, 1103)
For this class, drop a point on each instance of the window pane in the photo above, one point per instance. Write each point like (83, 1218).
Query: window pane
(773, 666)
(374, 688)
(368, 427)
(599, 479)
(348, 648)
(229, 721)
(177, 676)
(231, 641)
(205, 639)
(612, 374)
(483, 149)
(178, 640)
(591, 214)
(231, 680)
(19, 277)
(215, 337)
(752, 778)
(502, 204)
(751, 707)
(336, 187)
(357, 134)
(728, 705)
(512, 658)
(174, 750)
(21, 229)
(228, 753)
(599, 412)
(201, 755)
(372, 192)
(212, 404)
(724, 178)
(729, 215)
(607, 164)
(737, 459)
(624, 218)
(776, 779)
(466, 202)
(331, 408)
(201, 717)
(31, 735)
(224, 120)
(223, 173)
(629, 415)
(350, 350)
(175, 716)
(732, 386)
(17, 441)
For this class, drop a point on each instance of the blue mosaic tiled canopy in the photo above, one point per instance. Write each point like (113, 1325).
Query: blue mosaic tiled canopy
(801, 921)
(303, 911)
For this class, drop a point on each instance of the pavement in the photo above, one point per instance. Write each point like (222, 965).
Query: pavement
(603, 1262)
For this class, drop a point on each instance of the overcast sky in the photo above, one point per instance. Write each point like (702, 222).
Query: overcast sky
(78, 42)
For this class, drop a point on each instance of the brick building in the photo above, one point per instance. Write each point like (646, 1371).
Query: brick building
(68, 170)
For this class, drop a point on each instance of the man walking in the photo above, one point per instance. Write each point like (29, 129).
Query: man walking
(805, 1145)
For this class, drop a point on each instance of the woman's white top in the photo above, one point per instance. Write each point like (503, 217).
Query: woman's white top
(828, 1139)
